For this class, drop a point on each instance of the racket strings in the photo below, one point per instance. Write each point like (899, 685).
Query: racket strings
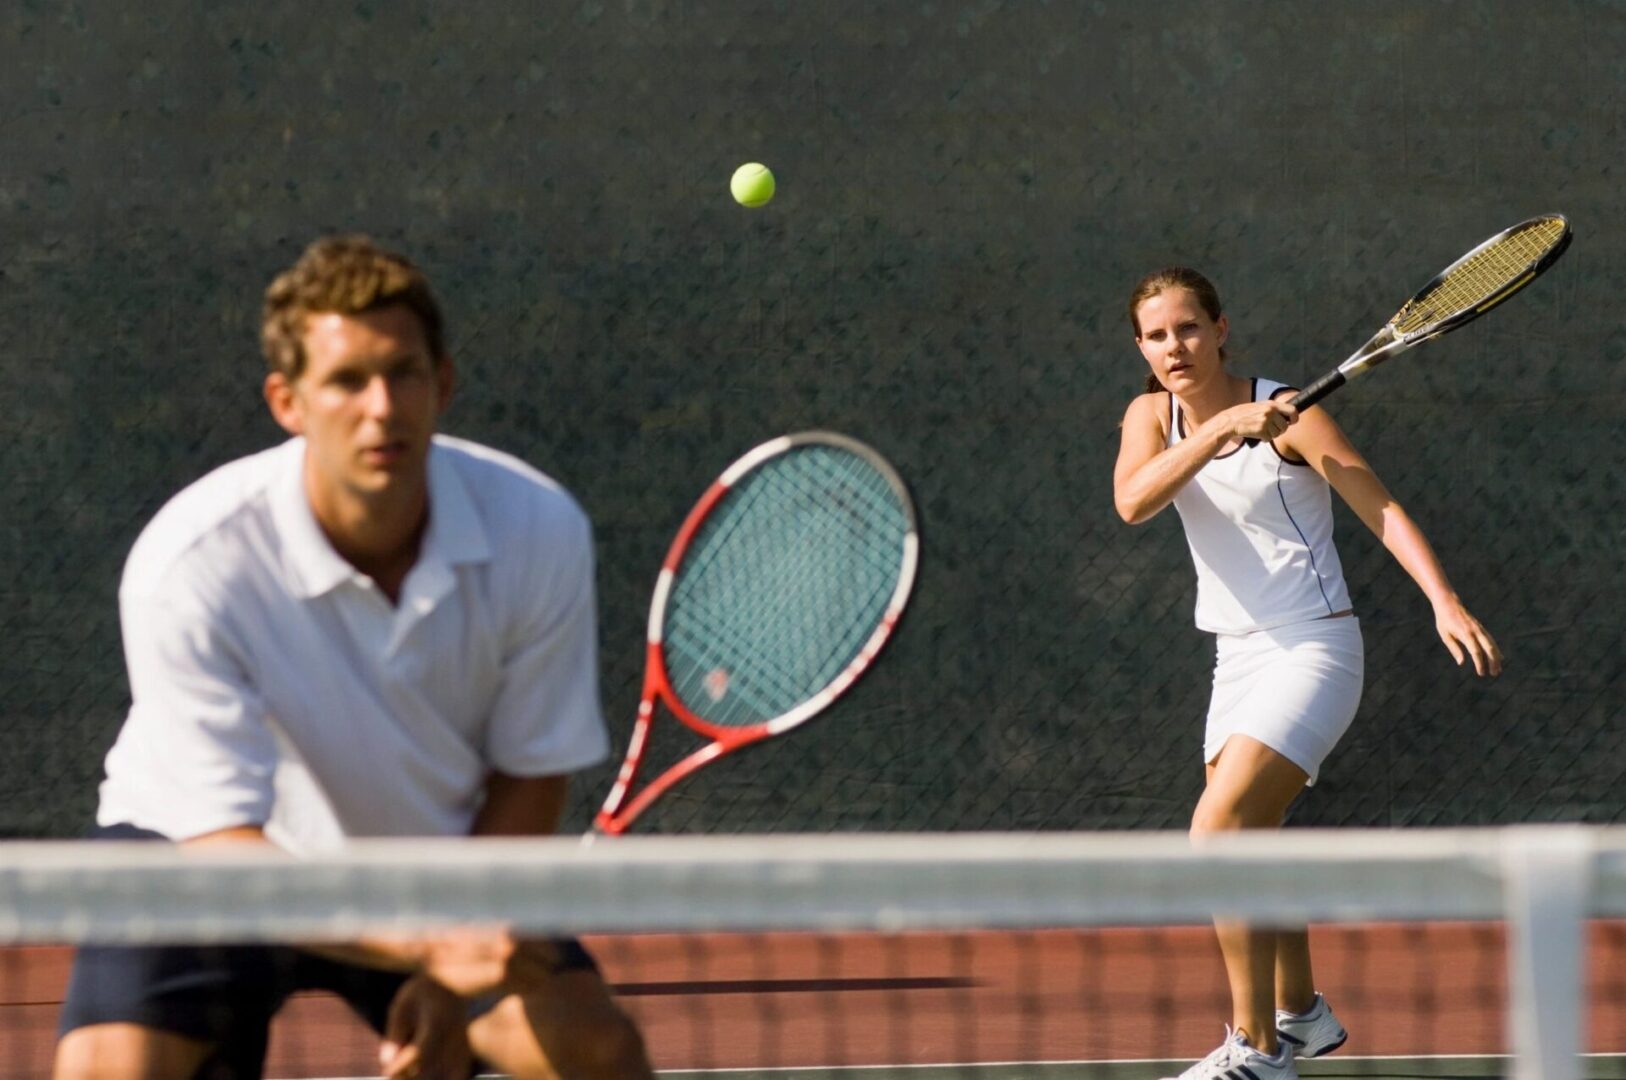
(723, 629)
(737, 574)
(837, 503)
(848, 484)
(846, 480)
(765, 668)
(744, 610)
(783, 585)
(1481, 275)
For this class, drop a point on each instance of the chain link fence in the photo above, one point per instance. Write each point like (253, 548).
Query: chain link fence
(967, 193)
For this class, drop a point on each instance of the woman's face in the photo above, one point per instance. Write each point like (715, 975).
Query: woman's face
(1178, 339)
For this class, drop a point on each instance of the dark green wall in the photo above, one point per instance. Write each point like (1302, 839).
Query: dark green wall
(967, 192)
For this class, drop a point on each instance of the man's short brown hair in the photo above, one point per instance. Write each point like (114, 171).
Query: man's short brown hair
(346, 275)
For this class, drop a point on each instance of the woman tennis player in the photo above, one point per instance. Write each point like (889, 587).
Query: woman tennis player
(1249, 476)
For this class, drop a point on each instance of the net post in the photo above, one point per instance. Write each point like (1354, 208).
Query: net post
(1547, 879)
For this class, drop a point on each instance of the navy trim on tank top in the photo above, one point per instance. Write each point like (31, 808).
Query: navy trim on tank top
(1309, 548)
(1283, 458)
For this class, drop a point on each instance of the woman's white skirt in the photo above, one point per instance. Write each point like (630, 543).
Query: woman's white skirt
(1294, 688)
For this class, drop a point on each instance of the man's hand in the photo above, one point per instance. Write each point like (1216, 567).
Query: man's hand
(427, 1034)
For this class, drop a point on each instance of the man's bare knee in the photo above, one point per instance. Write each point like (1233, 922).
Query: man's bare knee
(611, 1048)
(581, 1034)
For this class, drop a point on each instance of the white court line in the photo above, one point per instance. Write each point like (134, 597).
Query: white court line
(792, 1070)
(1330, 1060)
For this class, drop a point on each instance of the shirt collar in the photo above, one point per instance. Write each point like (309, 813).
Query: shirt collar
(455, 534)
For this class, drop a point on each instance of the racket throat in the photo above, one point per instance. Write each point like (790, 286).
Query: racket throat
(615, 822)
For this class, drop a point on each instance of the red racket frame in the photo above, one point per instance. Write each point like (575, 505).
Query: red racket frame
(618, 812)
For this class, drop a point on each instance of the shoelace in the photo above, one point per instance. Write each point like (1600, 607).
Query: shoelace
(1232, 1051)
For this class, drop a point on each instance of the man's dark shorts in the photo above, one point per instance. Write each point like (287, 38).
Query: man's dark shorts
(224, 994)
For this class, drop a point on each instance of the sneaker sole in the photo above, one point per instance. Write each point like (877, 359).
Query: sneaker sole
(1330, 1047)
(1298, 1044)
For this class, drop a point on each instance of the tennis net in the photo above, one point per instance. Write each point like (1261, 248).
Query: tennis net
(1493, 952)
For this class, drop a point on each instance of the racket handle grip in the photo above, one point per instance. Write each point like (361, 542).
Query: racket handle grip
(1317, 390)
(1311, 394)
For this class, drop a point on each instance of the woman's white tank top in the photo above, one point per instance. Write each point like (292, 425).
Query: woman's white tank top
(1260, 532)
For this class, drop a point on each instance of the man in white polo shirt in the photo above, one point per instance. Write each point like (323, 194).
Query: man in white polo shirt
(369, 630)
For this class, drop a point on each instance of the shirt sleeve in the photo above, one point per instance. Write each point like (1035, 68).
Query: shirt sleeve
(196, 753)
(547, 719)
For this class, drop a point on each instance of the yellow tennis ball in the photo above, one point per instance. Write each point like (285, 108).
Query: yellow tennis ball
(752, 184)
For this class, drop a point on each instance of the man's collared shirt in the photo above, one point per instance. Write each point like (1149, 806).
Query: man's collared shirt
(275, 685)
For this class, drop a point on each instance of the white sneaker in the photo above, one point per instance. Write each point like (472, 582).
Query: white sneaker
(1311, 1033)
(1236, 1059)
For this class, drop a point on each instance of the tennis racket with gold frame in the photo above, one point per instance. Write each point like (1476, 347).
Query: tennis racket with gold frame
(1458, 295)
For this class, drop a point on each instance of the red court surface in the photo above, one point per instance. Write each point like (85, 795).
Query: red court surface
(788, 1000)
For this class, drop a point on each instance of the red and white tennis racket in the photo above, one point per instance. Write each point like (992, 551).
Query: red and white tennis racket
(783, 584)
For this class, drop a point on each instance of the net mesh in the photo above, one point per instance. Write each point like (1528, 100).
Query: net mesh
(783, 584)
(1482, 275)
(1012, 955)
